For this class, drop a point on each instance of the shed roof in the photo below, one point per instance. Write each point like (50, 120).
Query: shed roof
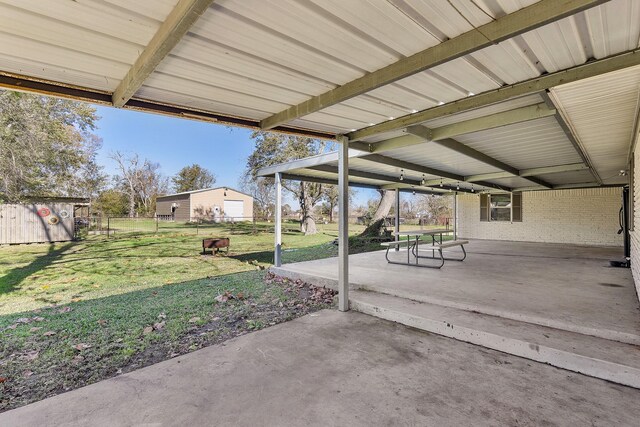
(203, 190)
(369, 70)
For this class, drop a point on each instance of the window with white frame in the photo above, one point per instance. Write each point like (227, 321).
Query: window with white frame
(501, 207)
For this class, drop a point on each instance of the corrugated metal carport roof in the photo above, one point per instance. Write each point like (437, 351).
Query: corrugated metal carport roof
(385, 73)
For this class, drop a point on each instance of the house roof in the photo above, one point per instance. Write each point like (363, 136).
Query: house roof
(203, 190)
(506, 89)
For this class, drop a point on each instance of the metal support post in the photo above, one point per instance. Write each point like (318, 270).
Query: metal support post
(397, 217)
(455, 216)
(277, 256)
(343, 226)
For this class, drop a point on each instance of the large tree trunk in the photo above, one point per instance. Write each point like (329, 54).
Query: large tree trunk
(376, 227)
(308, 225)
(307, 222)
(384, 207)
(132, 203)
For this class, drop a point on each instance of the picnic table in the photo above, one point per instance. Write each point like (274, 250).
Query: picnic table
(412, 243)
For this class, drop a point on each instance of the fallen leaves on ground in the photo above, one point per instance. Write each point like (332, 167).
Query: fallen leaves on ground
(35, 329)
(308, 292)
(65, 309)
(49, 333)
(159, 326)
(147, 330)
(82, 346)
(226, 296)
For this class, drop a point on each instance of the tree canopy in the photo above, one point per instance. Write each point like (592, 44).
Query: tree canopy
(271, 149)
(193, 177)
(47, 147)
(141, 181)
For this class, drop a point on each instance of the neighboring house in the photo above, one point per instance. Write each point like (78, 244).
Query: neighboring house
(213, 204)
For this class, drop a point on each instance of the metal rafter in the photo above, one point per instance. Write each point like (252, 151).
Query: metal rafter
(459, 147)
(569, 132)
(405, 182)
(503, 28)
(378, 158)
(572, 167)
(534, 85)
(178, 22)
(492, 121)
(298, 177)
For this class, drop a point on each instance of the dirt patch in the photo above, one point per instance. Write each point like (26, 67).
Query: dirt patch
(240, 317)
(41, 354)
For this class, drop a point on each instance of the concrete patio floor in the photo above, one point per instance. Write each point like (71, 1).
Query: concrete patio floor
(567, 287)
(333, 368)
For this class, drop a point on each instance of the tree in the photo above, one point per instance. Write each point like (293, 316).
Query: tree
(271, 149)
(91, 178)
(141, 181)
(193, 177)
(434, 208)
(112, 203)
(331, 195)
(382, 211)
(44, 144)
(263, 191)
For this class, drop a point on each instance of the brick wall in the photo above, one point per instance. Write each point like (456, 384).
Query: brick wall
(635, 232)
(577, 216)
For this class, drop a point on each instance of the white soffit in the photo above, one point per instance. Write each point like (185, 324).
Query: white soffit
(532, 144)
(254, 58)
(602, 111)
(88, 43)
(599, 32)
(438, 157)
(574, 177)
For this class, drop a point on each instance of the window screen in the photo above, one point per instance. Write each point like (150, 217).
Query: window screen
(500, 207)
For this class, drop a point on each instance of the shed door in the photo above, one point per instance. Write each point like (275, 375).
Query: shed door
(234, 209)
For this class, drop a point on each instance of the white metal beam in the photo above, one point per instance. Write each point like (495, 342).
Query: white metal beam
(343, 225)
(492, 121)
(534, 85)
(378, 158)
(465, 150)
(505, 27)
(397, 218)
(570, 132)
(572, 167)
(635, 135)
(307, 162)
(305, 178)
(277, 256)
(571, 186)
(178, 22)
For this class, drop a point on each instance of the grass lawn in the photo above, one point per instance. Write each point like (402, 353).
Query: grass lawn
(78, 312)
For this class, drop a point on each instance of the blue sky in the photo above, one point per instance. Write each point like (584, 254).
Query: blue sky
(175, 143)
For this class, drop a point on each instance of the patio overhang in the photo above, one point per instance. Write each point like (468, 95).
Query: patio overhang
(431, 97)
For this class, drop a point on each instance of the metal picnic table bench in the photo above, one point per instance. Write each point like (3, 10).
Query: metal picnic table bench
(414, 248)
